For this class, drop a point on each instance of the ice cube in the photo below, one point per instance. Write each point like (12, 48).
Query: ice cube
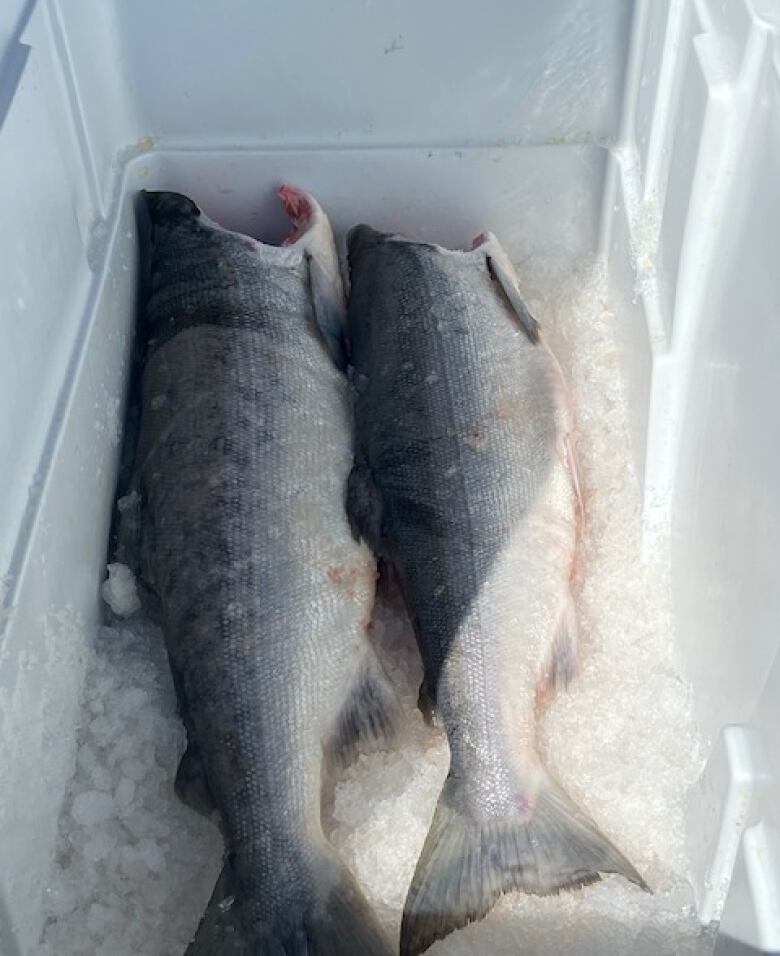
(120, 592)
(91, 807)
(99, 919)
(125, 791)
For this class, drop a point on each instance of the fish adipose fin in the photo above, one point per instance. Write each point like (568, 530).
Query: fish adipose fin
(335, 922)
(467, 864)
(364, 507)
(370, 716)
(191, 785)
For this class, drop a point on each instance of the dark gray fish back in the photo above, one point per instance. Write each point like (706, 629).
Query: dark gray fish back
(202, 275)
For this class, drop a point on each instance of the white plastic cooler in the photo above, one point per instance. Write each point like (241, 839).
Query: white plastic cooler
(647, 130)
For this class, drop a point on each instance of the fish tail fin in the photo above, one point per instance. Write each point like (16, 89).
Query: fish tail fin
(333, 919)
(467, 863)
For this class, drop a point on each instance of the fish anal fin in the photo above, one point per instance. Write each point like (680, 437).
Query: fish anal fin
(370, 716)
(501, 269)
(561, 664)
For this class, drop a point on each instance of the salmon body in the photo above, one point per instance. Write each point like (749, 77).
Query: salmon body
(243, 456)
(465, 482)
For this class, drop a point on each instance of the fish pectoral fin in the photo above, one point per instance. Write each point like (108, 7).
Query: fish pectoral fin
(467, 863)
(501, 269)
(364, 506)
(191, 785)
(329, 311)
(562, 662)
(370, 716)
